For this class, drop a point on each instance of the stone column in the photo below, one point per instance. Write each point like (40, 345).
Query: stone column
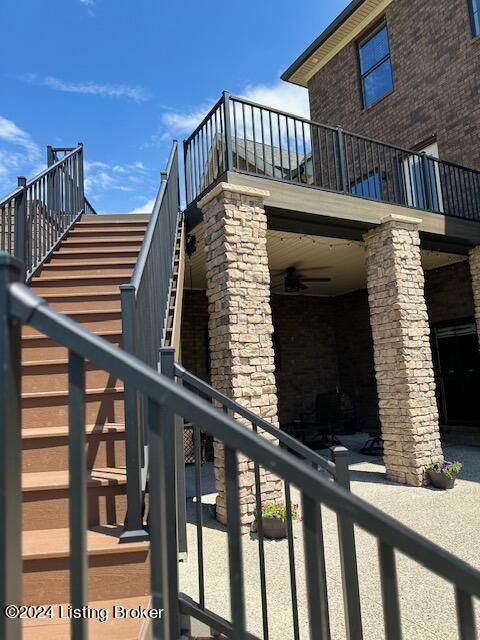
(402, 353)
(474, 258)
(240, 322)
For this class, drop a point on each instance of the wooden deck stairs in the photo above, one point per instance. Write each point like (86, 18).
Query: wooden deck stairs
(82, 280)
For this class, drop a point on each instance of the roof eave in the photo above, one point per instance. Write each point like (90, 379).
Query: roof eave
(332, 27)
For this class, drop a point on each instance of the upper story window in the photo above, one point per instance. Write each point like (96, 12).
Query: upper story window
(375, 65)
(475, 16)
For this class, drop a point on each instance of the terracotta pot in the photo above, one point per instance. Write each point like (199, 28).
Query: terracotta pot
(440, 480)
(274, 528)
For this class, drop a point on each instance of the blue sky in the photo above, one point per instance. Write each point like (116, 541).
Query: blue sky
(125, 77)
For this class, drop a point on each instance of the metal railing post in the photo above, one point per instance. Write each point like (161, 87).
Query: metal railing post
(81, 186)
(162, 521)
(11, 270)
(186, 164)
(181, 494)
(427, 183)
(20, 225)
(134, 529)
(228, 132)
(341, 159)
(348, 554)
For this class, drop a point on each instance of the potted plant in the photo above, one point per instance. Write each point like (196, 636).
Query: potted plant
(443, 474)
(274, 518)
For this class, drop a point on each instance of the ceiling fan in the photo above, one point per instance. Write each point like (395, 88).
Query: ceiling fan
(294, 282)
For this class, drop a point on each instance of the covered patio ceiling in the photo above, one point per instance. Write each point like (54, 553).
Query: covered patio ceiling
(343, 261)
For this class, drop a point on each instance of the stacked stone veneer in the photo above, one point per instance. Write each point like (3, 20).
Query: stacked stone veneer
(402, 353)
(240, 323)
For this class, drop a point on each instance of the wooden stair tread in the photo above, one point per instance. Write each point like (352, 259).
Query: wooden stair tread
(41, 336)
(107, 228)
(56, 263)
(62, 250)
(83, 294)
(99, 241)
(55, 543)
(65, 394)
(97, 477)
(42, 280)
(94, 312)
(33, 433)
(114, 629)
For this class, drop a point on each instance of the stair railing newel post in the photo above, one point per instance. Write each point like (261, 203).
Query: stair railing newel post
(134, 528)
(20, 224)
(348, 553)
(11, 270)
(228, 132)
(81, 185)
(163, 510)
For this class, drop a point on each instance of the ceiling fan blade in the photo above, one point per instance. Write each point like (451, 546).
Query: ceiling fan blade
(316, 279)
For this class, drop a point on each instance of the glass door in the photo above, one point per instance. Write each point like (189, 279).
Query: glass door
(457, 370)
(416, 182)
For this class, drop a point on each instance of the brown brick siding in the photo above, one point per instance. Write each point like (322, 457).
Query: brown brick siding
(306, 353)
(355, 357)
(436, 82)
(448, 292)
(195, 356)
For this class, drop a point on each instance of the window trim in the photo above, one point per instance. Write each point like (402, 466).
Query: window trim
(472, 19)
(372, 33)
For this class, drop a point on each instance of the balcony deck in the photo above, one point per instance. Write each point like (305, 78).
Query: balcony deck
(325, 180)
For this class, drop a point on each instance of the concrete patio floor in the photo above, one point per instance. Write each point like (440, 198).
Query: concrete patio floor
(448, 518)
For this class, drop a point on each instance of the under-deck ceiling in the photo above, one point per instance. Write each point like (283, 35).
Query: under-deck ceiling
(314, 256)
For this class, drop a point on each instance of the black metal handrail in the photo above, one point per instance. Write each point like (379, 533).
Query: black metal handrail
(202, 387)
(240, 135)
(338, 468)
(36, 216)
(166, 399)
(145, 302)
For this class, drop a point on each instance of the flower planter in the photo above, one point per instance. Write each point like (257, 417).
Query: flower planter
(274, 528)
(440, 480)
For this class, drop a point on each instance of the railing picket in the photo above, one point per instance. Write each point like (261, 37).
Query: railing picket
(465, 615)
(261, 547)
(162, 522)
(348, 554)
(199, 514)
(291, 563)
(10, 453)
(315, 570)
(77, 465)
(389, 585)
(235, 563)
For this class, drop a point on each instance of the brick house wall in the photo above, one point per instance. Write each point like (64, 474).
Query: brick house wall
(195, 355)
(355, 357)
(448, 292)
(436, 79)
(306, 353)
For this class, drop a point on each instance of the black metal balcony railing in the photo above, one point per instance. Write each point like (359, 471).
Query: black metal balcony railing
(239, 135)
(39, 213)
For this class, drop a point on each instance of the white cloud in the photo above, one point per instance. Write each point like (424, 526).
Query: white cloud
(18, 152)
(88, 3)
(280, 95)
(102, 177)
(147, 207)
(136, 93)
